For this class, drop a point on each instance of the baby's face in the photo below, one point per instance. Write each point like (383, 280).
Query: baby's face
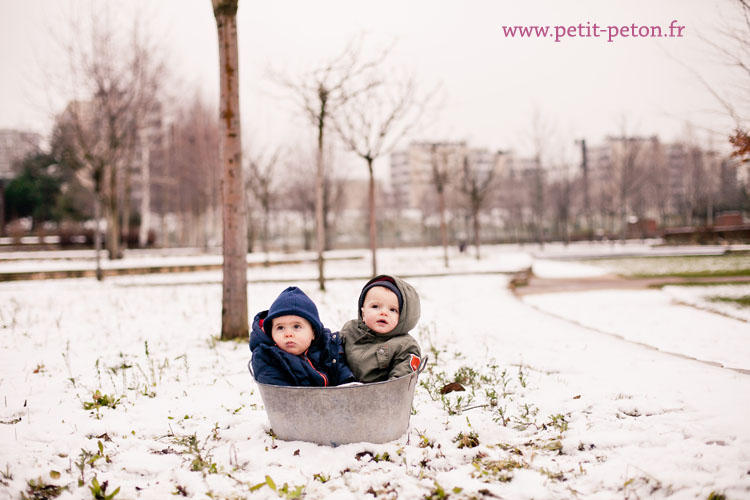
(292, 334)
(380, 310)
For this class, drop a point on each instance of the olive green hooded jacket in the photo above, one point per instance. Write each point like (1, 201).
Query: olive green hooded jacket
(376, 357)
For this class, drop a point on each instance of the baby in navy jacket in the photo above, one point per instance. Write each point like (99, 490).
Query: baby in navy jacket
(290, 346)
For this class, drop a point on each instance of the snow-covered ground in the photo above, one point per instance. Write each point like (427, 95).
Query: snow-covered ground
(554, 408)
(705, 297)
(342, 263)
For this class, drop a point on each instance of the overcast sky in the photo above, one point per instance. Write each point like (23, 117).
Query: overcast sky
(491, 84)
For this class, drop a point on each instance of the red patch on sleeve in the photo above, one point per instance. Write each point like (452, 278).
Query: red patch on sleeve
(414, 362)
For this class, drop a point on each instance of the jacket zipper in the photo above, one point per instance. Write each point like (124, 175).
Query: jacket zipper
(325, 379)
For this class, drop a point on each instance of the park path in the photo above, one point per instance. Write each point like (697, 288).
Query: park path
(537, 285)
(523, 285)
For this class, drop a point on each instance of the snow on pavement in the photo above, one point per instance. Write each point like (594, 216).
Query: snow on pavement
(704, 297)
(651, 317)
(544, 268)
(552, 409)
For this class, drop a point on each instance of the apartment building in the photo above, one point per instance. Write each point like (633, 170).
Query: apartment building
(416, 170)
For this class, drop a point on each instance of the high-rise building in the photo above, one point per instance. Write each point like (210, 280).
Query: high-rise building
(670, 179)
(413, 170)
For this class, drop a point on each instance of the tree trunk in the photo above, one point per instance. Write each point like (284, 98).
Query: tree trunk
(251, 231)
(97, 231)
(234, 225)
(538, 215)
(564, 212)
(319, 215)
(623, 219)
(125, 192)
(373, 223)
(328, 231)
(443, 226)
(266, 215)
(112, 214)
(2, 207)
(145, 193)
(306, 233)
(586, 203)
(475, 221)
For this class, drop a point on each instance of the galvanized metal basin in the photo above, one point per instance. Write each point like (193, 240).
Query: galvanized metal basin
(375, 413)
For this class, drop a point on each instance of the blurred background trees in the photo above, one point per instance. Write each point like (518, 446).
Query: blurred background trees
(129, 157)
(42, 191)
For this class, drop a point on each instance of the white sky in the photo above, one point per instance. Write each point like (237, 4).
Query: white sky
(491, 85)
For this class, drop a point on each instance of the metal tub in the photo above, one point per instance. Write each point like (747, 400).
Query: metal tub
(376, 413)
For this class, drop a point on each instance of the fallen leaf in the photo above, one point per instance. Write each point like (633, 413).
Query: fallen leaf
(452, 387)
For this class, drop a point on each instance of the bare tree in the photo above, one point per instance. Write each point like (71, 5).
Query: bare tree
(738, 56)
(585, 190)
(734, 49)
(372, 123)
(658, 183)
(320, 94)
(185, 173)
(628, 174)
(234, 322)
(700, 180)
(477, 182)
(334, 196)
(538, 192)
(76, 134)
(562, 180)
(150, 74)
(301, 195)
(299, 192)
(732, 45)
(115, 82)
(512, 200)
(262, 182)
(144, 161)
(561, 200)
(442, 159)
(300, 198)
(537, 176)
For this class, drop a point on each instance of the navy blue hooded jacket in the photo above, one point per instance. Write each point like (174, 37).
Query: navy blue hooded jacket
(323, 364)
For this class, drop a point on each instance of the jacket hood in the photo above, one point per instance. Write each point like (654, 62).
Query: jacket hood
(293, 301)
(258, 335)
(410, 307)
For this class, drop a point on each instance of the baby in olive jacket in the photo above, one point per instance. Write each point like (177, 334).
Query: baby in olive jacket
(378, 345)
